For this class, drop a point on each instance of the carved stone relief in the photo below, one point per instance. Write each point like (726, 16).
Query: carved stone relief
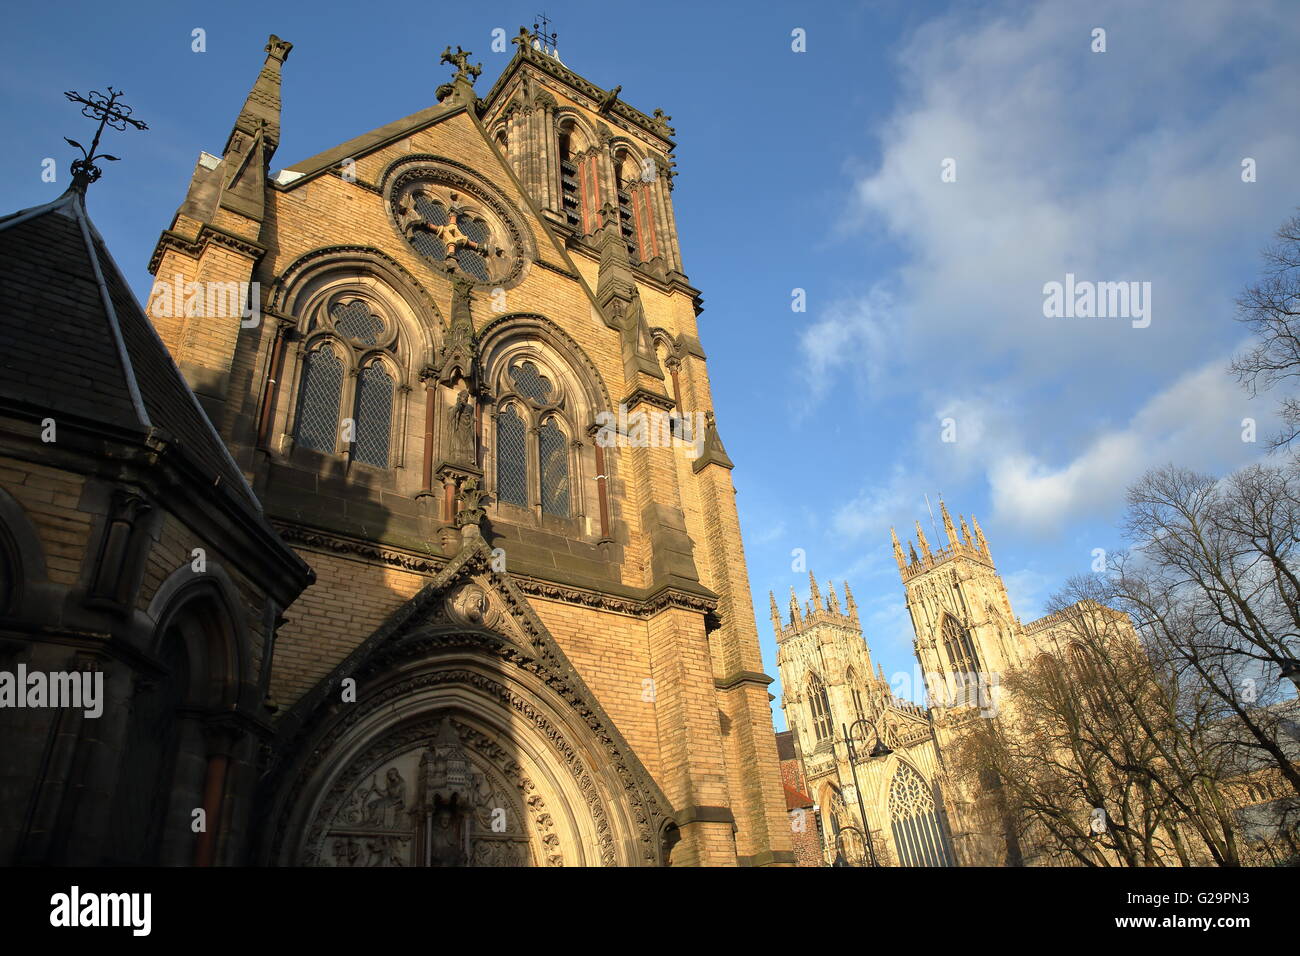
(451, 797)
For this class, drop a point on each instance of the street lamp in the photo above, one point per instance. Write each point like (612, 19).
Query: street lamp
(879, 750)
(840, 859)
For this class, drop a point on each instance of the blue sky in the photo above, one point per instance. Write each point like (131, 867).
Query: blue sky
(821, 171)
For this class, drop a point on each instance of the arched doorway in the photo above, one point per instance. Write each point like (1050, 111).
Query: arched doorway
(464, 747)
(166, 770)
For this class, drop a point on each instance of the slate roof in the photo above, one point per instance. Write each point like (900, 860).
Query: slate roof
(74, 342)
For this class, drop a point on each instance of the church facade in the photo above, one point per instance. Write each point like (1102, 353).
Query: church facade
(865, 751)
(484, 599)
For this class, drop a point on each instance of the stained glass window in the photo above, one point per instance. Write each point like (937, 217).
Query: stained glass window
(821, 708)
(357, 322)
(374, 416)
(554, 457)
(431, 211)
(918, 834)
(512, 460)
(318, 410)
(428, 244)
(475, 229)
(473, 263)
(530, 382)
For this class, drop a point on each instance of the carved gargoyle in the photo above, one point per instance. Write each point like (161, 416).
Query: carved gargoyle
(607, 100)
(472, 500)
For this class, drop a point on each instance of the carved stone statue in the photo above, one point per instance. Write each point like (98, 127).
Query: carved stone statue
(460, 60)
(472, 498)
(446, 840)
(463, 450)
(608, 98)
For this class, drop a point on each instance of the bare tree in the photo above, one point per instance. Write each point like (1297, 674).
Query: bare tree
(1101, 754)
(1271, 310)
(1211, 585)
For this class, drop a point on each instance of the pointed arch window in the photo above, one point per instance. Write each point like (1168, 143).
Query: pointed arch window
(625, 170)
(318, 410)
(512, 459)
(961, 650)
(821, 708)
(857, 696)
(553, 457)
(569, 191)
(374, 415)
(914, 818)
(536, 463)
(356, 338)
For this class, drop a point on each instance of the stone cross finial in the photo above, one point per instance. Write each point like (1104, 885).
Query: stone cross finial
(460, 60)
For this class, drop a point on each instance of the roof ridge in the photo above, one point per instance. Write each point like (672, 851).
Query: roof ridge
(23, 215)
(224, 450)
(132, 385)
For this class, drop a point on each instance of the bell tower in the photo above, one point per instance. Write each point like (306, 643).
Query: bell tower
(585, 156)
(826, 670)
(962, 618)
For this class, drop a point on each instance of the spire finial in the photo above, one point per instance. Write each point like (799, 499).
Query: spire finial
(796, 619)
(949, 531)
(832, 601)
(898, 548)
(851, 604)
(920, 539)
(815, 594)
(980, 541)
(110, 112)
(465, 75)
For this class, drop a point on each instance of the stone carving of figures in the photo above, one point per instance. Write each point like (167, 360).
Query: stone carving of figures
(384, 802)
(445, 841)
(462, 430)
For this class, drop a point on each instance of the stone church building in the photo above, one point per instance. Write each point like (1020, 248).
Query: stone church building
(966, 636)
(397, 522)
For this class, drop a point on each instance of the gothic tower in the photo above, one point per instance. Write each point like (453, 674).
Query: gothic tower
(960, 611)
(855, 739)
(966, 638)
(465, 378)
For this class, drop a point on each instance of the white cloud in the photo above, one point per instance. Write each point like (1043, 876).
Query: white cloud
(852, 332)
(1122, 166)
(871, 513)
(1196, 422)
(1028, 591)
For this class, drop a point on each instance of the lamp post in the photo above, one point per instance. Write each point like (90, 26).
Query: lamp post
(879, 750)
(840, 859)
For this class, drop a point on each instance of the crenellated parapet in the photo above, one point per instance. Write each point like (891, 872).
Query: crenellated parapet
(964, 545)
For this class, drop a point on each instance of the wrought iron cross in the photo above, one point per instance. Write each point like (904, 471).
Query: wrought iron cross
(540, 31)
(109, 112)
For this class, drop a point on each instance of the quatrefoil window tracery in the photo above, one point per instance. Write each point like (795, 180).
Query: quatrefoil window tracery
(450, 232)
